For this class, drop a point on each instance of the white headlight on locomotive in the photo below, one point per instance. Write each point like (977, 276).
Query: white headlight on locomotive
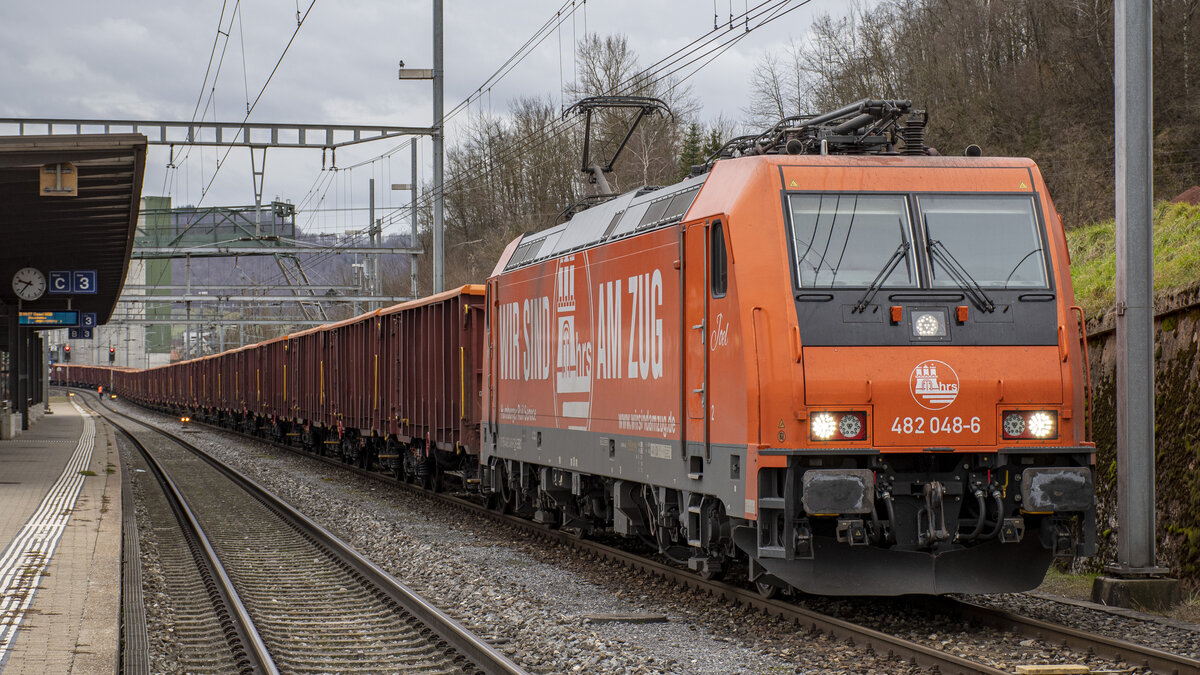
(1039, 424)
(929, 323)
(842, 425)
(824, 426)
(1014, 424)
(850, 426)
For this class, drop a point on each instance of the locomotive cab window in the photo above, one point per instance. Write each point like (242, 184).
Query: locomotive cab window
(718, 270)
(847, 240)
(995, 238)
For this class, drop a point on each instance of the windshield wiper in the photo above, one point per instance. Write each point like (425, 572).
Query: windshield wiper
(884, 273)
(938, 251)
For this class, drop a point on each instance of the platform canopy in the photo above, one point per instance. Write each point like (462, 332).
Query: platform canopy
(69, 203)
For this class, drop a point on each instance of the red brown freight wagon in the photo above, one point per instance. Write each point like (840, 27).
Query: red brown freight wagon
(399, 386)
(432, 375)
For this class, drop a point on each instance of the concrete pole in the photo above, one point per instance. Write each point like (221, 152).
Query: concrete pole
(1135, 289)
(412, 239)
(374, 257)
(438, 150)
(46, 372)
(187, 335)
(14, 353)
(22, 363)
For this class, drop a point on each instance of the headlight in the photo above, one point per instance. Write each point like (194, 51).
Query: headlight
(1041, 424)
(823, 426)
(929, 323)
(1018, 424)
(850, 426)
(838, 426)
(1014, 424)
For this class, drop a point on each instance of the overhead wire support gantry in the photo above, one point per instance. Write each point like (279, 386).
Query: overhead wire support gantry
(221, 134)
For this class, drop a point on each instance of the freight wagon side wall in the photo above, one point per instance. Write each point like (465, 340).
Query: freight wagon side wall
(272, 364)
(434, 347)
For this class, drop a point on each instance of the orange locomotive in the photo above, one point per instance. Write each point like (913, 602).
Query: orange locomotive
(850, 363)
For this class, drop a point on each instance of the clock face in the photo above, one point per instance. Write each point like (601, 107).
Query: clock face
(29, 283)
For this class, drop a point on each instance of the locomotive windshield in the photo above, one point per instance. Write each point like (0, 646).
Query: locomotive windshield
(995, 238)
(846, 239)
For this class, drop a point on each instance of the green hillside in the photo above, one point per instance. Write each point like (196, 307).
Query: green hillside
(1176, 256)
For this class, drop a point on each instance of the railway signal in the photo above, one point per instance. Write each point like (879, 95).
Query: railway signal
(112, 354)
(67, 353)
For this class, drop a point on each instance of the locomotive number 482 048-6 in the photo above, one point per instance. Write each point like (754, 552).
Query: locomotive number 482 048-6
(934, 425)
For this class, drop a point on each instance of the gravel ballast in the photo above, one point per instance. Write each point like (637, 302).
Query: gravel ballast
(539, 604)
(553, 612)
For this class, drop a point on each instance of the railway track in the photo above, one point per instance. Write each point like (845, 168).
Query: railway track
(1147, 657)
(1155, 660)
(284, 594)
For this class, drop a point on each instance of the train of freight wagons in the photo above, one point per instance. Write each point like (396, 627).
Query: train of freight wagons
(830, 358)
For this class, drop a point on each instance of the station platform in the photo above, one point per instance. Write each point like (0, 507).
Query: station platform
(60, 546)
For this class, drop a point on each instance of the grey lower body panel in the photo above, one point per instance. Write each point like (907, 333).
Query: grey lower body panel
(838, 569)
(658, 461)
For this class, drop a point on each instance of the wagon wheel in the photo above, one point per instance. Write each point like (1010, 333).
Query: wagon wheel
(767, 591)
(505, 497)
(398, 468)
(714, 575)
(431, 479)
(407, 469)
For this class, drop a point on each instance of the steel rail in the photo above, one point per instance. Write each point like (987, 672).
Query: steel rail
(135, 638)
(486, 657)
(251, 649)
(1156, 660)
(873, 640)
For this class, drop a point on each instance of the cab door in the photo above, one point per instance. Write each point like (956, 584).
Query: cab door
(697, 305)
(492, 414)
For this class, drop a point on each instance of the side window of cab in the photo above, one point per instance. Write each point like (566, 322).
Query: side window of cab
(719, 263)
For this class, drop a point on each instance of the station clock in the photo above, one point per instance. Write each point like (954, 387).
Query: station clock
(29, 283)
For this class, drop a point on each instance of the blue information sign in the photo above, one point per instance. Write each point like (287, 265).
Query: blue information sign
(72, 282)
(87, 320)
(79, 333)
(83, 282)
(60, 319)
(60, 282)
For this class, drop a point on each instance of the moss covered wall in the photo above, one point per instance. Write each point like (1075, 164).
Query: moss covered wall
(1176, 434)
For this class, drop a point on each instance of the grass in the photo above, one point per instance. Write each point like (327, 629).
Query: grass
(87, 472)
(1074, 586)
(1176, 256)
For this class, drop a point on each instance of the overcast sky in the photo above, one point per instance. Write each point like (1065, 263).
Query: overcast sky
(144, 59)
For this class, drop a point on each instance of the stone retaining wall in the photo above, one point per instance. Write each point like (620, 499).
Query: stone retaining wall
(1177, 434)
